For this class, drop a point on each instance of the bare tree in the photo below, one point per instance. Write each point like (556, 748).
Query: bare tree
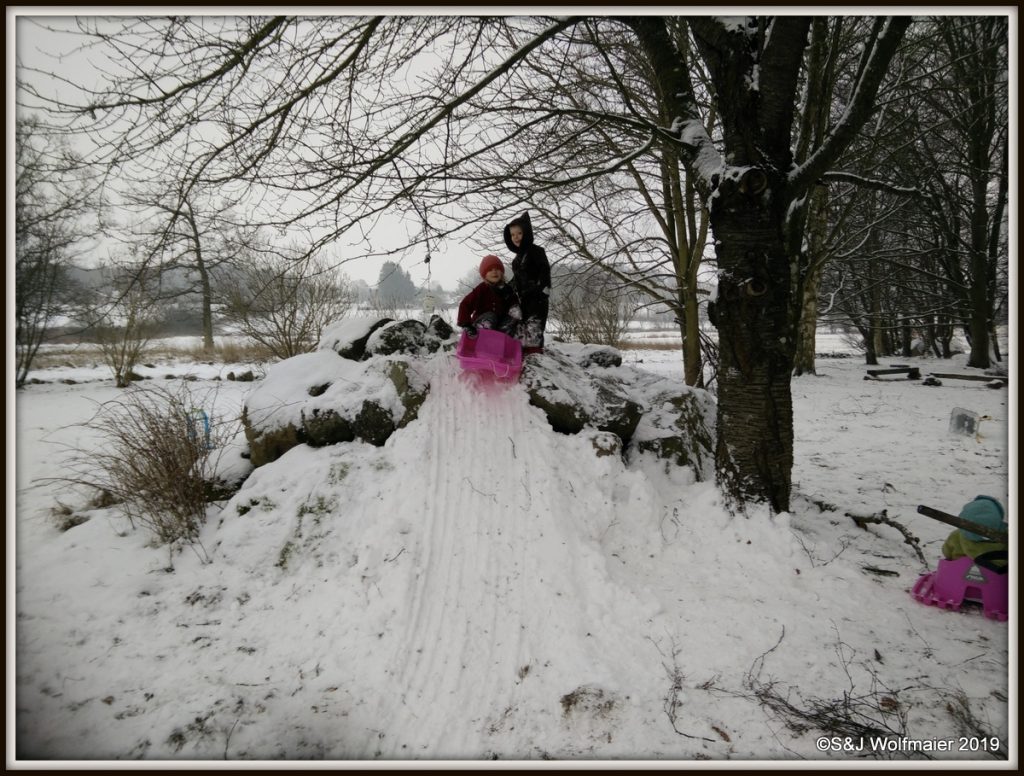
(52, 203)
(967, 148)
(194, 238)
(932, 252)
(591, 307)
(285, 305)
(127, 318)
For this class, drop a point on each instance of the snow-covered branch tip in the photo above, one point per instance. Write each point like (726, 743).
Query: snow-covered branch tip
(838, 176)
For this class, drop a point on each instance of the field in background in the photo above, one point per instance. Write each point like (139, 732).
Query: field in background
(654, 333)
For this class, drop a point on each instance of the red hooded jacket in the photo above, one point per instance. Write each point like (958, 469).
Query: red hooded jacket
(485, 298)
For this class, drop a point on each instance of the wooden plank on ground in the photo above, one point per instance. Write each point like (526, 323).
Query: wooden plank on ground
(912, 372)
(980, 378)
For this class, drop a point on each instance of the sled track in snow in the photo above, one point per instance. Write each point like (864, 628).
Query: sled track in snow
(468, 589)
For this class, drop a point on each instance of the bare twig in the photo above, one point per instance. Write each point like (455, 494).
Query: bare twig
(672, 702)
(882, 518)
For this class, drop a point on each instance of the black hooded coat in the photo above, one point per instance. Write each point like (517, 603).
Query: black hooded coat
(531, 272)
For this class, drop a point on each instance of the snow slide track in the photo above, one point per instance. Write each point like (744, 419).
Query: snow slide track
(509, 603)
(468, 595)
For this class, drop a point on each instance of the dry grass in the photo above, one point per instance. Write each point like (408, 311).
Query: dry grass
(89, 354)
(155, 459)
(641, 345)
(226, 352)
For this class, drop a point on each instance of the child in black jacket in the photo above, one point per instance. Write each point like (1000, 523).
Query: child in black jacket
(531, 276)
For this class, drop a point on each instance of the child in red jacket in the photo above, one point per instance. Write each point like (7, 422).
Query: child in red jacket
(491, 305)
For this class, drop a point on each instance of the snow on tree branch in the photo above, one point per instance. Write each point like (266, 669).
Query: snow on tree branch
(879, 54)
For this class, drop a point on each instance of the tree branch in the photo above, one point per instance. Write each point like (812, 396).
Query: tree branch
(878, 55)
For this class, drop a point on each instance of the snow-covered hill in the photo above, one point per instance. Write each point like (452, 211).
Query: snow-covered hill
(481, 587)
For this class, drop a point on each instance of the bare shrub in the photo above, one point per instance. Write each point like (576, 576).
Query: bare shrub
(126, 331)
(155, 457)
(593, 308)
(285, 305)
(857, 716)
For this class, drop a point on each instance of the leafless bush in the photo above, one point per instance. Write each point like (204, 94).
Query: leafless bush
(593, 309)
(959, 708)
(285, 304)
(156, 457)
(125, 332)
(673, 697)
(385, 306)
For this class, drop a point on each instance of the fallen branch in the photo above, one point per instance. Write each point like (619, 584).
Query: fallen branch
(882, 518)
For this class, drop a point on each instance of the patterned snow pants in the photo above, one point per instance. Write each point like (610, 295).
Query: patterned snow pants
(506, 324)
(531, 332)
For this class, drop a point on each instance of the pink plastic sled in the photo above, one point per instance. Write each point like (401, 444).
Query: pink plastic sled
(956, 581)
(491, 351)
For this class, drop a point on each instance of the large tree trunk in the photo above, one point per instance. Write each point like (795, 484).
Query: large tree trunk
(978, 292)
(693, 367)
(807, 324)
(689, 242)
(994, 341)
(981, 305)
(754, 454)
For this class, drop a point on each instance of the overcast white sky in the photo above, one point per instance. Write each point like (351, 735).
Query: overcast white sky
(31, 46)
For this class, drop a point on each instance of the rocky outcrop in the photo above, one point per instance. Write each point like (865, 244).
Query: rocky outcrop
(584, 388)
(574, 398)
(679, 429)
(348, 336)
(368, 379)
(597, 355)
(362, 338)
(412, 338)
(322, 399)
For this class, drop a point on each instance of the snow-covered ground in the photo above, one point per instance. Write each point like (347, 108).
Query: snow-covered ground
(482, 588)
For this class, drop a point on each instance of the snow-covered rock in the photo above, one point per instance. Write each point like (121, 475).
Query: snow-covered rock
(592, 355)
(574, 398)
(320, 398)
(348, 336)
(410, 337)
(679, 425)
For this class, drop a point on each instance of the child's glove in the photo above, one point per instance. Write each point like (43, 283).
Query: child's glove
(470, 331)
(515, 313)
